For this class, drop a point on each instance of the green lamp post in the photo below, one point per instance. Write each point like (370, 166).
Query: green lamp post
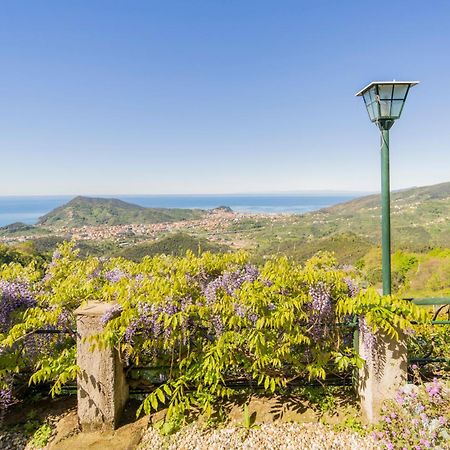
(384, 101)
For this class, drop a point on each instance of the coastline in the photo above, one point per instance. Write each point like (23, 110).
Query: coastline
(28, 209)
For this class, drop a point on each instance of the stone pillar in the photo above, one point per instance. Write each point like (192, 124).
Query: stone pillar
(383, 374)
(102, 389)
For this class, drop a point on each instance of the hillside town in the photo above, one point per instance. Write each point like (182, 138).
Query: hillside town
(214, 224)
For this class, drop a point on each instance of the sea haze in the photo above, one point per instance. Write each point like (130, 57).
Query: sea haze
(29, 209)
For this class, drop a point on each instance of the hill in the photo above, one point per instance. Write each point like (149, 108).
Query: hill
(16, 227)
(82, 211)
(21, 229)
(420, 220)
(174, 244)
(420, 217)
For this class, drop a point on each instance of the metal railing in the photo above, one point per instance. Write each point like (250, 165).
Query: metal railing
(442, 303)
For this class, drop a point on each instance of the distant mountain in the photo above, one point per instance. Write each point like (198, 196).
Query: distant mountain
(16, 226)
(225, 209)
(424, 194)
(109, 211)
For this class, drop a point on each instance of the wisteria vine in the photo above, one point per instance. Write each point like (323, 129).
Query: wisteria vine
(205, 318)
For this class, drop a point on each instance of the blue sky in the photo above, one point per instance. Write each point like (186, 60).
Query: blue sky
(217, 96)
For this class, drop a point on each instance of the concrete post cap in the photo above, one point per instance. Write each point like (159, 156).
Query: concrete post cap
(94, 309)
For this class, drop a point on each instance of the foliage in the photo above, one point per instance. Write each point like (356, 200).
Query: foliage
(176, 244)
(347, 247)
(204, 320)
(41, 436)
(403, 262)
(248, 420)
(354, 424)
(321, 398)
(431, 341)
(171, 426)
(30, 302)
(413, 274)
(417, 419)
(209, 325)
(46, 244)
(9, 255)
(388, 314)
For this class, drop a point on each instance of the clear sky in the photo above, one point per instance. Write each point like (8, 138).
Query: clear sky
(217, 96)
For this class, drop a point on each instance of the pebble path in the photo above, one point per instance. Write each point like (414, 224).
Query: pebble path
(284, 436)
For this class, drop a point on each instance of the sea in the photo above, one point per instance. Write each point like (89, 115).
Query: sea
(28, 209)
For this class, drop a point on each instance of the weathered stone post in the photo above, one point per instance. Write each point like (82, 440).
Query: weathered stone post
(102, 389)
(383, 374)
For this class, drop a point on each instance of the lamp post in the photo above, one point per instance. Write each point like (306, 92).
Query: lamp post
(384, 101)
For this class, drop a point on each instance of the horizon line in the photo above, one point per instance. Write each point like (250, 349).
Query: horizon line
(251, 193)
(275, 193)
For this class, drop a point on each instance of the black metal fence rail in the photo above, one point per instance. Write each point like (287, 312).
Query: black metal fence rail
(53, 331)
(252, 385)
(442, 302)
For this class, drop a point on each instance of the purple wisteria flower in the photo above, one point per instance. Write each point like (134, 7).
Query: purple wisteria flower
(112, 313)
(239, 310)
(369, 339)
(95, 273)
(6, 398)
(140, 277)
(353, 289)
(55, 257)
(14, 296)
(115, 275)
(230, 282)
(322, 313)
(217, 324)
(149, 319)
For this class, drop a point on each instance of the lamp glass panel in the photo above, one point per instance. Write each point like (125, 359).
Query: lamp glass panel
(376, 110)
(370, 111)
(396, 108)
(385, 91)
(400, 91)
(385, 108)
(366, 96)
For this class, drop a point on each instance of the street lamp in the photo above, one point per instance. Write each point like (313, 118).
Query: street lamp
(384, 101)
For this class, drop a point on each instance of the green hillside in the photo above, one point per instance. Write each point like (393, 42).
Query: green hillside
(109, 211)
(348, 247)
(174, 244)
(420, 220)
(420, 217)
(21, 229)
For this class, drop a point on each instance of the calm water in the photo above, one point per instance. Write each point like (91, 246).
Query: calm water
(29, 209)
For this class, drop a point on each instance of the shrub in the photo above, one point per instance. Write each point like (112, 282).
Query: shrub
(418, 418)
(204, 319)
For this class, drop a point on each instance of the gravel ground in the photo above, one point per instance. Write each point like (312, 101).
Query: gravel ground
(283, 436)
(12, 439)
